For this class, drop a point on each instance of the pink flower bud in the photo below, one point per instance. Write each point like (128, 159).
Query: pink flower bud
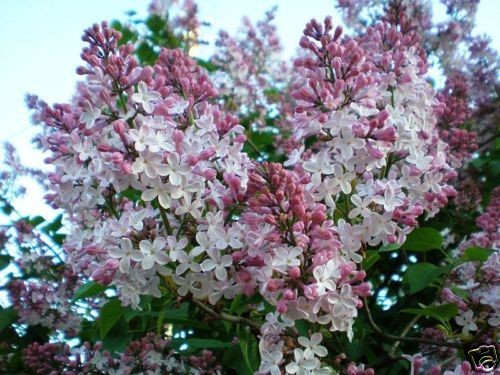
(294, 273)
(104, 147)
(119, 127)
(289, 294)
(282, 307)
(273, 285)
(117, 157)
(209, 174)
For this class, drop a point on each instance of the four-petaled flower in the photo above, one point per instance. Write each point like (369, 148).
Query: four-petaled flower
(125, 253)
(89, 115)
(312, 345)
(146, 97)
(318, 165)
(217, 262)
(153, 252)
(151, 164)
(175, 170)
(466, 320)
(390, 200)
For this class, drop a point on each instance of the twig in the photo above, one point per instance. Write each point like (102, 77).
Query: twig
(488, 140)
(255, 148)
(404, 332)
(406, 339)
(227, 317)
(38, 234)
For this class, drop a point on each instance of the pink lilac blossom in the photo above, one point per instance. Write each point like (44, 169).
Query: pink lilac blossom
(41, 286)
(156, 135)
(451, 47)
(474, 287)
(251, 69)
(453, 112)
(468, 197)
(151, 354)
(293, 254)
(46, 303)
(151, 133)
(153, 179)
(440, 39)
(378, 160)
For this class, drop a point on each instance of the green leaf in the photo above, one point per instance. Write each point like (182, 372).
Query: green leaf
(53, 226)
(207, 65)
(443, 313)
(207, 343)
(389, 247)
(476, 254)
(4, 261)
(420, 275)
(145, 53)
(302, 326)
(118, 338)
(35, 221)
(462, 293)
(7, 317)
(110, 314)
(236, 302)
(495, 167)
(423, 239)
(249, 349)
(371, 258)
(129, 314)
(244, 303)
(155, 23)
(88, 289)
(6, 207)
(232, 360)
(115, 24)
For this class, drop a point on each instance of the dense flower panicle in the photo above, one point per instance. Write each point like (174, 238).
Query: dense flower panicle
(152, 354)
(148, 132)
(378, 161)
(474, 286)
(250, 71)
(440, 39)
(489, 222)
(451, 47)
(45, 303)
(453, 112)
(294, 255)
(151, 175)
(42, 285)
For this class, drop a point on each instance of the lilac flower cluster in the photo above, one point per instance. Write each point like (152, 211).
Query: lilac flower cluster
(146, 131)
(152, 177)
(379, 160)
(149, 355)
(453, 112)
(251, 70)
(474, 287)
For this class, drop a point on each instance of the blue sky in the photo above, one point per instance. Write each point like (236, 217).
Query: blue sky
(40, 41)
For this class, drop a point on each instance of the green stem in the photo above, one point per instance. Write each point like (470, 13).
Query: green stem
(164, 218)
(414, 340)
(254, 147)
(111, 209)
(227, 317)
(181, 227)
